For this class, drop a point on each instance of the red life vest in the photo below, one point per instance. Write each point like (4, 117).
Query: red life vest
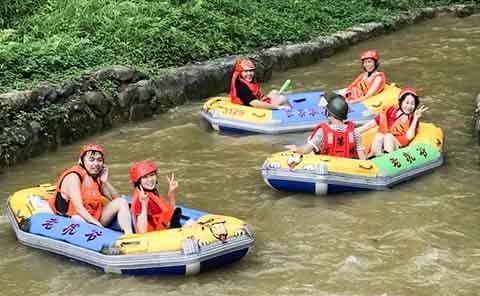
(90, 190)
(360, 86)
(253, 86)
(337, 143)
(395, 127)
(159, 211)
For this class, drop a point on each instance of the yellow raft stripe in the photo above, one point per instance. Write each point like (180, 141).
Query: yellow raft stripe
(226, 109)
(388, 97)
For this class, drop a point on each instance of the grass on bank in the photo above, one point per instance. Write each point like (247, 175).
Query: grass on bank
(55, 39)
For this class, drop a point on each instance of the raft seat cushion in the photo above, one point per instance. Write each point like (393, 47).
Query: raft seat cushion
(85, 235)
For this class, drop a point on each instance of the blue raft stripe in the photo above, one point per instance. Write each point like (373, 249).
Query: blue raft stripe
(309, 187)
(169, 270)
(77, 233)
(306, 109)
(223, 260)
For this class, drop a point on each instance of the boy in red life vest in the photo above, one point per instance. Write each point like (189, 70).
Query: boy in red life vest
(367, 84)
(337, 137)
(80, 191)
(244, 89)
(150, 211)
(397, 125)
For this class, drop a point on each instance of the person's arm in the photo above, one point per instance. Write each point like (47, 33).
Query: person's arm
(371, 124)
(107, 188)
(260, 104)
(172, 189)
(371, 91)
(412, 129)
(142, 219)
(359, 146)
(304, 149)
(71, 187)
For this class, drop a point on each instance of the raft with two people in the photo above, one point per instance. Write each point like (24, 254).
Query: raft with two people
(307, 110)
(323, 174)
(213, 241)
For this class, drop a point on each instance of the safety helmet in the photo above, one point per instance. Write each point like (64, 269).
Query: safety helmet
(91, 147)
(370, 54)
(244, 64)
(141, 169)
(408, 90)
(337, 107)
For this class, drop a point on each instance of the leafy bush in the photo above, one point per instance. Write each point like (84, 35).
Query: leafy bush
(48, 40)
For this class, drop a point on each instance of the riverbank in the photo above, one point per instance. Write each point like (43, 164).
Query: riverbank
(55, 114)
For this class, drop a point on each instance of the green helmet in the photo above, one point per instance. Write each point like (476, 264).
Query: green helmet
(337, 107)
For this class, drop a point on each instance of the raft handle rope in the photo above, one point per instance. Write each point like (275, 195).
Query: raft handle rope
(368, 166)
(377, 105)
(259, 115)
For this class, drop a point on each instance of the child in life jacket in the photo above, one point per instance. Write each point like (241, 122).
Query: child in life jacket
(337, 137)
(244, 89)
(367, 84)
(397, 125)
(150, 211)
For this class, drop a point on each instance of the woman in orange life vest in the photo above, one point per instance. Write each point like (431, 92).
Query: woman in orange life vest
(150, 211)
(80, 191)
(337, 137)
(244, 89)
(397, 125)
(367, 84)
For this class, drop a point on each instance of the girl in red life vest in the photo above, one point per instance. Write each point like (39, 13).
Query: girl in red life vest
(80, 191)
(367, 84)
(337, 137)
(244, 89)
(397, 125)
(150, 211)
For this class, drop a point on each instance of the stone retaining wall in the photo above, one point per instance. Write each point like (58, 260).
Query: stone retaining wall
(58, 114)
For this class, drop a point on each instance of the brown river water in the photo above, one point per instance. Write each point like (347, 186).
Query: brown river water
(420, 238)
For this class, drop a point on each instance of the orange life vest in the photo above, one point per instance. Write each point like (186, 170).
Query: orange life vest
(253, 86)
(155, 221)
(398, 128)
(337, 143)
(360, 86)
(90, 190)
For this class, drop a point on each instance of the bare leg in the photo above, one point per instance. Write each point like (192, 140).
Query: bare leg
(390, 143)
(79, 218)
(377, 145)
(118, 206)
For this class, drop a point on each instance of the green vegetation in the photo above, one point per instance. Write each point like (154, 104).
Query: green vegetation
(55, 39)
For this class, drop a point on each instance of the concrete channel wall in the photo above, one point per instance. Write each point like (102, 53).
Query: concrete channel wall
(121, 93)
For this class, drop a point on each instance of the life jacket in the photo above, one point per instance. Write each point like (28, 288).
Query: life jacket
(253, 86)
(397, 128)
(155, 221)
(90, 190)
(337, 143)
(360, 86)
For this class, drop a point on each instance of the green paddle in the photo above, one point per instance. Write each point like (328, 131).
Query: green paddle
(284, 86)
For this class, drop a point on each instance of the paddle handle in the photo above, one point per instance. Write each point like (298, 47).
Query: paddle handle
(284, 86)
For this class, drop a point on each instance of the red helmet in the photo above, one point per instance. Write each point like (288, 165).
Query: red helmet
(408, 90)
(370, 54)
(244, 64)
(141, 169)
(91, 147)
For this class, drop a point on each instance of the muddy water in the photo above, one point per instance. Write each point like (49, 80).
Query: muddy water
(420, 238)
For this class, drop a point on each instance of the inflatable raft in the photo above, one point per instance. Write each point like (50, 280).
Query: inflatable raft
(320, 174)
(308, 110)
(213, 242)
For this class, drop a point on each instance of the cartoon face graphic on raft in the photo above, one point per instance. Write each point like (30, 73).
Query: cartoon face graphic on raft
(294, 160)
(219, 230)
